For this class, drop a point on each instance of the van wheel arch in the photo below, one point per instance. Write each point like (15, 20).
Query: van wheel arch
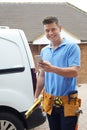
(11, 111)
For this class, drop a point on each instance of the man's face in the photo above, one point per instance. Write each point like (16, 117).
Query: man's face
(52, 32)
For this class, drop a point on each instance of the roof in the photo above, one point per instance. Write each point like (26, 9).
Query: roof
(29, 16)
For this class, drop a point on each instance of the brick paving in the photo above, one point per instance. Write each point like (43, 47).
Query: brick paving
(83, 117)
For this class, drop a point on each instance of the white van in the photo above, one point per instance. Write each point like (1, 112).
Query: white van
(17, 82)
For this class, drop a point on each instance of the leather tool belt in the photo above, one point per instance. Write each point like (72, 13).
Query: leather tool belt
(71, 103)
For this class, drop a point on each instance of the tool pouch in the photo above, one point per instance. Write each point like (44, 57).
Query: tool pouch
(71, 108)
(47, 103)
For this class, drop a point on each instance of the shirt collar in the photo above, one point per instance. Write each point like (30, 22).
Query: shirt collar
(62, 44)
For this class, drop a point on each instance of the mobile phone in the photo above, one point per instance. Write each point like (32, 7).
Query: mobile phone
(38, 58)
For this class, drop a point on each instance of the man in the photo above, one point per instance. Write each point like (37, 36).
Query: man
(58, 72)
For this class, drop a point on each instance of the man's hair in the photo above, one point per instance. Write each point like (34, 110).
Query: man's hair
(49, 20)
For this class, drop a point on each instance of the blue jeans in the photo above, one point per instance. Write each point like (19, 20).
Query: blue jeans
(57, 121)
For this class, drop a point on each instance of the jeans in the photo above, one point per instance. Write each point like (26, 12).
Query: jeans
(57, 121)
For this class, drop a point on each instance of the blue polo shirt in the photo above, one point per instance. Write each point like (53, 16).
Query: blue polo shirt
(65, 55)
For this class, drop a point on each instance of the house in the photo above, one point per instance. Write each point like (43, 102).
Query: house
(28, 17)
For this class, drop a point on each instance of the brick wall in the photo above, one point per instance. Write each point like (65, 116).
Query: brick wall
(82, 77)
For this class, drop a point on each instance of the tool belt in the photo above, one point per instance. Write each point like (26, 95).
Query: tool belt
(71, 103)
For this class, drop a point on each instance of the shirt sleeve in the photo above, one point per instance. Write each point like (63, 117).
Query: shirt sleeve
(74, 55)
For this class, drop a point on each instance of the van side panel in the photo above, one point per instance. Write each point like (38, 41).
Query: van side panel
(16, 88)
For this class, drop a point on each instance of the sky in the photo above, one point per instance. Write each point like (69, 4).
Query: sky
(82, 4)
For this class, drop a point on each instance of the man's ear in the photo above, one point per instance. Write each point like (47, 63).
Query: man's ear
(60, 27)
